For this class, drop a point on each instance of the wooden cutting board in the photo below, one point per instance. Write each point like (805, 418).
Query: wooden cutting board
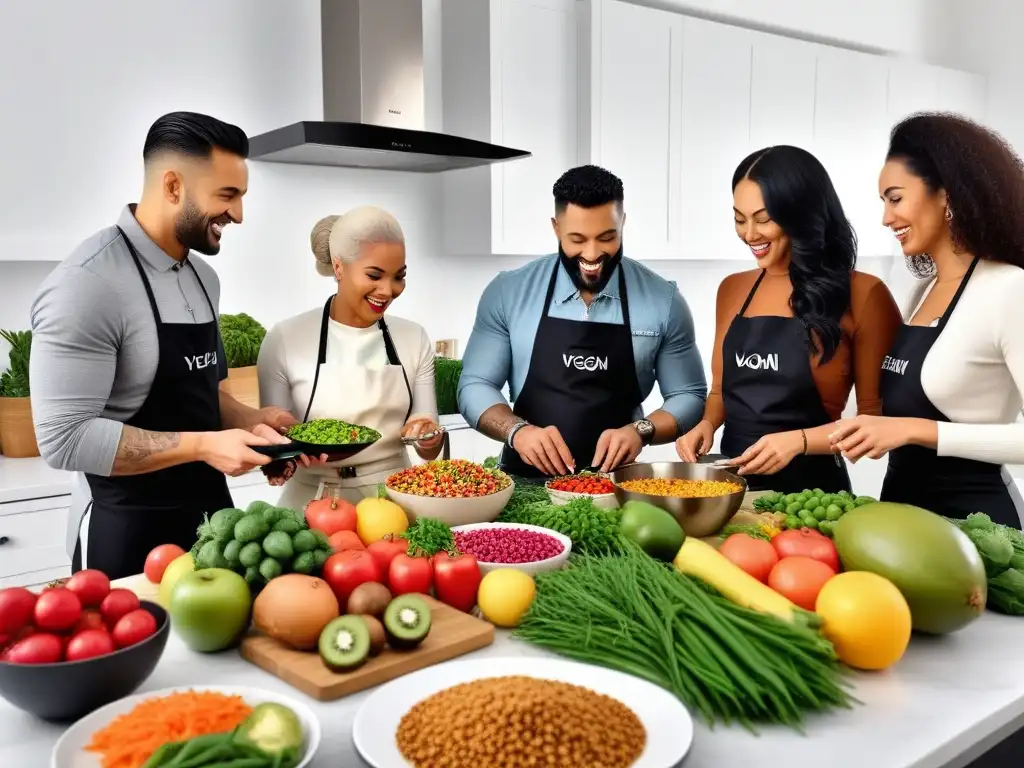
(452, 633)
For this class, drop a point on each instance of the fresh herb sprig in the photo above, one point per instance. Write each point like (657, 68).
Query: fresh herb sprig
(427, 537)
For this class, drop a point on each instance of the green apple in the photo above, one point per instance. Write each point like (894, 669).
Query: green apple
(210, 609)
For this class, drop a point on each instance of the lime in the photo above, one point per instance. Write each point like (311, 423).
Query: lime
(818, 492)
(278, 544)
(791, 497)
(811, 504)
(812, 523)
(819, 513)
(833, 512)
(793, 508)
(251, 554)
(270, 568)
(793, 522)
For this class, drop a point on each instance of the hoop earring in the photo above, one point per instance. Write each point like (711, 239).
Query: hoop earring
(949, 214)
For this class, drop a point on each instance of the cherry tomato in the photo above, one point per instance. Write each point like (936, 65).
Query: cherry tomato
(57, 610)
(346, 570)
(755, 556)
(90, 619)
(456, 580)
(16, 606)
(158, 560)
(91, 586)
(133, 627)
(410, 574)
(800, 579)
(342, 540)
(117, 604)
(42, 648)
(330, 515)
(88, 644)
(385, 550)
(806, 542)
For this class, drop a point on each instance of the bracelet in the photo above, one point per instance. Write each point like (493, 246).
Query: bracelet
(803, 435)
(512, 433)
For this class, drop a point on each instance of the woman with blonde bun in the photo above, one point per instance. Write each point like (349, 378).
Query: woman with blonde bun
(344, 361)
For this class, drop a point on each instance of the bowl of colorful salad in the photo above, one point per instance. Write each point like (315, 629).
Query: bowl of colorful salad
(334, 438)
(455, 491)
(595, 486)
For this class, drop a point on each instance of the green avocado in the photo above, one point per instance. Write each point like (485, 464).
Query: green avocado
(652, 528)
(275, 730)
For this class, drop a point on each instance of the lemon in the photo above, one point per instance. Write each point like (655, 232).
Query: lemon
(504, 596)
(177, 568)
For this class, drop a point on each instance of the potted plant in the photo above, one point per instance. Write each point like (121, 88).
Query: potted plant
(242, 337)
(17, 433)
(446, 384)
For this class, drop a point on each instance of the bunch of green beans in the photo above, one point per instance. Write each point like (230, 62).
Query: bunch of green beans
(726, 663)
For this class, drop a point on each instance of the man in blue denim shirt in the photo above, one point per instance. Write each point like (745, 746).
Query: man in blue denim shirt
(580, 337)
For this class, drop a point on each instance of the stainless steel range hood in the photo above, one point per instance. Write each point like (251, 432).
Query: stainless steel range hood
(374, 99)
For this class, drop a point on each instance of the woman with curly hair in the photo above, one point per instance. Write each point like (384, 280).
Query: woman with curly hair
(951, 384)
(795, 335)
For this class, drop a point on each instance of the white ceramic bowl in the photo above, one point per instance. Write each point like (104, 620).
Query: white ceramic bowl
(561, 498)
(475, 509)
(538, 566)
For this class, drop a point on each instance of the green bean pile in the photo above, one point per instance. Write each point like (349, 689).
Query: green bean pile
(592, 529)
(332, 432)
(725, 662)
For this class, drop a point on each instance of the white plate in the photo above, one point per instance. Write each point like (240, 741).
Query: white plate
(668, 724)
(70, 750)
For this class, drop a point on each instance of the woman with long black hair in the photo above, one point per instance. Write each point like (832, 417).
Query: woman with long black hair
(795, 335)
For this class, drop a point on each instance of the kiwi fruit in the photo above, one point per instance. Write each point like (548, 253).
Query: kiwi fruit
(406, 622)
(345, 643)
(369, 599)
(377, 635)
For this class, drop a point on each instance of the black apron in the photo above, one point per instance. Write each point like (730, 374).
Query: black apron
(768, 387)
(948, 485)
(582, 380)
(132, 514)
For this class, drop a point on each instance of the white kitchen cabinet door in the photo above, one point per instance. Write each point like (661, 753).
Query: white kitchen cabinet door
(851, 137)
(510, 78)
(782, 92)
(963, 93)
(715, 128)
(913, 87)
(631, 104)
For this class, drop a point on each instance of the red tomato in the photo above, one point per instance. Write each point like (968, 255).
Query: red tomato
(90, 619)
(91, 586)
(800, 579)
(158, 560)
(456, 580)
(387, 549)
(88, 644)
(57, 610)
(347, 569)
(342, 540)
(806, 542)
(755, 556)
(331, 515)
(117, 604)
(16, 606)
(133, 627)
(410, 574)
(41, 648)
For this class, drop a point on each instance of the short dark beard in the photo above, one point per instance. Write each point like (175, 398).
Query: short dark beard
(192, 228)
(583, 285)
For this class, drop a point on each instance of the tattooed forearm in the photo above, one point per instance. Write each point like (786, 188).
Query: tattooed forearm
(140, 451)
(497, 421)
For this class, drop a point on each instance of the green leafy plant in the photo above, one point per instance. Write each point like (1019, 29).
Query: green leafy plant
(446, 384)
(242, 337)
(14, 381)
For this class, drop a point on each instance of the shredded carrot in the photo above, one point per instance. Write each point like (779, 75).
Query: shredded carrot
(130, 739)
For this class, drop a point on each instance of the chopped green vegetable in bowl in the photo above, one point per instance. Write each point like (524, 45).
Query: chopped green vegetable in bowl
(332, 432)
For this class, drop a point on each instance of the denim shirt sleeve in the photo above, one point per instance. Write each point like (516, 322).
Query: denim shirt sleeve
(487, 362)
(679, 367)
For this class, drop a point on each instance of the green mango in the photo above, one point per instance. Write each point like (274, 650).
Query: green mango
(651, 527)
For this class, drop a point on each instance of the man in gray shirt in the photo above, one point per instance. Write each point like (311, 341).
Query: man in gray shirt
(127, 359)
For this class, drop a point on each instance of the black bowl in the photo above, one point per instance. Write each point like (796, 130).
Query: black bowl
(69, 690)
(281, 451)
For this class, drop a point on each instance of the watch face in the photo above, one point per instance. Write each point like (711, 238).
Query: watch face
(644, 427)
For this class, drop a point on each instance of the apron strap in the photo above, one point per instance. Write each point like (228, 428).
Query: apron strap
(750, 295)
(956, 296)
(202, 287)
(623, 298)
(142, 274)
(551, 289)
(392, 353)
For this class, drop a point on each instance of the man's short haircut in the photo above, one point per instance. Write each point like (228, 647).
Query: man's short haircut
(587, 186)
(193, 135)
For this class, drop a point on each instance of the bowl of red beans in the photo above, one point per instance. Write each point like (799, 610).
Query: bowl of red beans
(527, 548)
(591, 485)
(454, 491)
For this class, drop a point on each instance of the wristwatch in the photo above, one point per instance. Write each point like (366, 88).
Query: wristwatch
(644, 428)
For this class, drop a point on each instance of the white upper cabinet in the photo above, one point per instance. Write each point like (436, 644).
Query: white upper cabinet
(850, 138)
(782, 92)
(629, 119)
(913, 87)
(509, 78)
(963, 93)
(716, 117)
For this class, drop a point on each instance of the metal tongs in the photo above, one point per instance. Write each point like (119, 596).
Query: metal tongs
(421, 438)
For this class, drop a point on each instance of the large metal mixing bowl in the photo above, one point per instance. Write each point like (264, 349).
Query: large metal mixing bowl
(698, 517)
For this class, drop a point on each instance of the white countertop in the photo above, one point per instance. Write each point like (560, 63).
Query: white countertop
(941, 706)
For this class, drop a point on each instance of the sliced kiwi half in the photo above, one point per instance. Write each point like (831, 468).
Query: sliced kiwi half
(406, 621)
(345, 643)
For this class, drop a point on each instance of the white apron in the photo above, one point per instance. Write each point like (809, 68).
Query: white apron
(371, 397)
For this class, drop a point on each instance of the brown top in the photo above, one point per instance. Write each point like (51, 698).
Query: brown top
(869, 329)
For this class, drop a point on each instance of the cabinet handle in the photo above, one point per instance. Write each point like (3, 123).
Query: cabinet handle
(4, 539)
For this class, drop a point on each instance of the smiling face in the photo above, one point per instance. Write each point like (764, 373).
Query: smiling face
(368, 285)
(590, 238)
(766, 240)
(210, 198)
(915, 214)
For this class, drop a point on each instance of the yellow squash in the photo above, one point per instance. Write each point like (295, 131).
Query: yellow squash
(701, 560)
